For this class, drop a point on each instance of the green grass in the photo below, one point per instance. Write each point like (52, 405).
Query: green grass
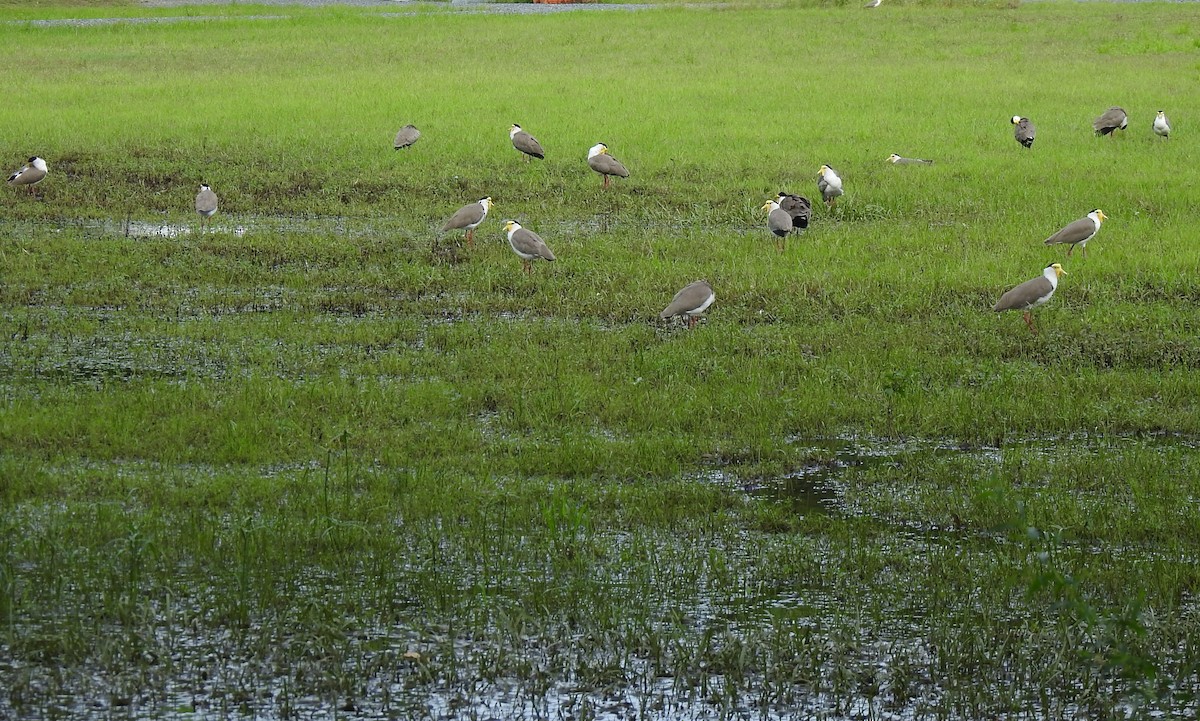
(323, 435)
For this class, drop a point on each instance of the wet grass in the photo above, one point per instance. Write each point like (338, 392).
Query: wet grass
(321, 460)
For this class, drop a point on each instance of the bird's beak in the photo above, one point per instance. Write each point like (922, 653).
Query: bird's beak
(1102, 215)
(1059, 272)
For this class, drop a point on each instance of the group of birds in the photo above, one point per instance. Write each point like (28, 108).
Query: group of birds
(786, 213)
(1109, 122)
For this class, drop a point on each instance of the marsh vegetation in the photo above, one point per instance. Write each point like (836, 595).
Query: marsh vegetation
(322, 460)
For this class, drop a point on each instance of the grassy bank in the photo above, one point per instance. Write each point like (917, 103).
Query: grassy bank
(390, 474)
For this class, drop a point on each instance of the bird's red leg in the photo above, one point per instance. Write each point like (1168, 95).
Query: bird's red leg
(606, 181)
(1069, 249)
(1029, 321)
(471, 237)
(691, 322)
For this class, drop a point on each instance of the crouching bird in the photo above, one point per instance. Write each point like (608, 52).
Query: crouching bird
(692, 301)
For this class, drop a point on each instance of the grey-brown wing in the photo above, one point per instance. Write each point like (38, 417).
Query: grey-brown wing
(1110, 120)
(464, 216)
(779, 222)
(407, 136)
(690, 298)
(1081, 229)
(528, 144)
(206, 202)
(1025, 132)
(27, 175)
(528, 243)
(1024, 295)
(608, 165)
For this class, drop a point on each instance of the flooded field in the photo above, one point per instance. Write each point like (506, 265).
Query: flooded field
(369, 592)
(323, 460)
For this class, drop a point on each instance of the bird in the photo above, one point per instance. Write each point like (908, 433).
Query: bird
(600, 161)
(830, 185)
(692, 301)
(779, 221)
(30, 175)
(526, 244)
(526, 143)
(1025, 131)
(796, 206)
(899, 160)
(1030, 294)
(407, 136)
(469, 217)
(1161, 125)
(1113, 119)
(1079, 232)
(873, 4)
(206, 204)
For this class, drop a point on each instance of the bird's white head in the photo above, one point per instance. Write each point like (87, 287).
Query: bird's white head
(894, 158)
(1016, 119)
(38, 163)
(204, 187)
(486, 203)
(1098, 216)
(1160, 114)
(597, 149)
(1053, 272)
(769, 205)
(511, 226)
(514, 130)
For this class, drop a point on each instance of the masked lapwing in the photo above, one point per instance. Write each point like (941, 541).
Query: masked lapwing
(830, 185)
(469, 217)
(1079, 232)
(896, 159)
(1113, 119)
(778, 222)
(1032, 293)
(30, 175)
(206, 204)
(600, 161)
(526, 143)
(796, 206)
(692, 301)
(1161, 125)
(406, 137)
(1024, 131)
(526, 244)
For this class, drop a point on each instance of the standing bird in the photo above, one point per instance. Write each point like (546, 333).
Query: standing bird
(600, 161)
(1161, 125)
(830, 185)
(526, 244)
(1030, 294)
(1113, 119)
(1024, 132)
(407, 136)
(1079, 232)
(526, 143)
(692, 301)
(796, 206)
(206, 204)
(900, 160)
(469, 217)
(779, 222)
(30, 175)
